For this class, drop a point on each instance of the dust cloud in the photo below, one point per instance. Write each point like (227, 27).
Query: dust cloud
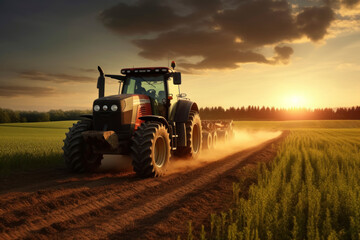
(116, 163)
(242, 139)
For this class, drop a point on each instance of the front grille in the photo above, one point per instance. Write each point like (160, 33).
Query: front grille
(107, 120)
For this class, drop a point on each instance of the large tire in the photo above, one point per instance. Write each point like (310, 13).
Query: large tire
(223, 135)
(214, 140)
(207, 140)
(193, 137)
(150, 150)
(78, 155)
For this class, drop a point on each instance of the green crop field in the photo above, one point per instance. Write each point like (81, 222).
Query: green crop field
(26, 146)
(310, 191)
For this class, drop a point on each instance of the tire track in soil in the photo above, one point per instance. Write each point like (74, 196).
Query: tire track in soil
(115, 210)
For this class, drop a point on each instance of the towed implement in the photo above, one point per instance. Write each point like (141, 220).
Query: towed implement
(148, 119)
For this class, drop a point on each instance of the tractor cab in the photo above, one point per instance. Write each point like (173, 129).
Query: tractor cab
(157, 84)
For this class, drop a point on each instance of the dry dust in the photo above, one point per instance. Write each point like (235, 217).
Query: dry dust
(242, 139)
(57, 204)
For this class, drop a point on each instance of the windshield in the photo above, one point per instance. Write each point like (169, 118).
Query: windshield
(152, 86)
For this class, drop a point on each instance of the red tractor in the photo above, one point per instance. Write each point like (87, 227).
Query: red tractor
(149, 119)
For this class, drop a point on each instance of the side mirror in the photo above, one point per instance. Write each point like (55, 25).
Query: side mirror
(177, 78)
(182, 95)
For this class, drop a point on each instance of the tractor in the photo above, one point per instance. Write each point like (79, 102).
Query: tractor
(149, 119)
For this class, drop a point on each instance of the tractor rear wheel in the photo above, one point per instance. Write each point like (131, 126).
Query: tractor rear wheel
(193, 137)
(150, 150)
(223, 135)
(78, 156)
(214, 140)
(207, 140)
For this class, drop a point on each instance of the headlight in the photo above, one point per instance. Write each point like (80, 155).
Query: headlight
(96, 108)
(105, 107)
(114, 108)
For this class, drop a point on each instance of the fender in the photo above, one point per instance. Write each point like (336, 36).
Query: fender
(183, 109)
(155, 118)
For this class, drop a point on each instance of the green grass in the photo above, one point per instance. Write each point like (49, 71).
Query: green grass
(310, 191)
(25, 146)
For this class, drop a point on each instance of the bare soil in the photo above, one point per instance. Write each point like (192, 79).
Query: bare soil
(56, 204)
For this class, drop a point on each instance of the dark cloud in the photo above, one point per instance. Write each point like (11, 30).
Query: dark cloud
(350, 3)
(259, 22)
(338, 3)
(217, 50)
(51, 77)
(283, 53)
(147, 16)
(220, 33)
(314, 21)
(14, 91)
(87, 70)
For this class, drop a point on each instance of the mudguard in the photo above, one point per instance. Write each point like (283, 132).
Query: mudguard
(183, 109)
(155, 118)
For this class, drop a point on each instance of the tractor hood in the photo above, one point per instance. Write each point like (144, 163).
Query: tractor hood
(123, 102)
(118, 112)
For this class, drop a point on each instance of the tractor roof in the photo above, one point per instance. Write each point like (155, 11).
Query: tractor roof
(145, 70)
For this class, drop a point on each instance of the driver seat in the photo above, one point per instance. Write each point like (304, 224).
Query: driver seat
(140, 90)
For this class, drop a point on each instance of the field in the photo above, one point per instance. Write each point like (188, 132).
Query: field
(304, 184)
(25, 146)
(310, 191)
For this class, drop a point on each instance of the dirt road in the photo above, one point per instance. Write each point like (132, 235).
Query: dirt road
(59, 205)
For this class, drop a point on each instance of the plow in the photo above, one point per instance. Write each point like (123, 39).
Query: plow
(149, 119)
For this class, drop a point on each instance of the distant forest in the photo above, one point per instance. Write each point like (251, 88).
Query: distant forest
(244, 113)
(280, 114)
(10, 116)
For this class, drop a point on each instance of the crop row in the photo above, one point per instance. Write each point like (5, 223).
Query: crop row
(311, 191)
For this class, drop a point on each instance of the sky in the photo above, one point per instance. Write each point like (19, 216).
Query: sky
(281, 53)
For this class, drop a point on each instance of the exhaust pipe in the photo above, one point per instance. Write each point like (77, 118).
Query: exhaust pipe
(101, 83)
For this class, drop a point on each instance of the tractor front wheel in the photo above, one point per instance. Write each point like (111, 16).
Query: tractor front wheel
(78, 156)
(150, 150)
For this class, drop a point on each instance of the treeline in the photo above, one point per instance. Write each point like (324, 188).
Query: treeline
(266, 113)
(243, 113)
(10, 116)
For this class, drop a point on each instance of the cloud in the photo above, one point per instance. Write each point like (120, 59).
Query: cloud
(259, 22)
(283, 53)
(14, 91)
(314, 21)
(221, 34)
(218, 51)
(51, 77)
(350, 3)
(147, 16)
(87, 70)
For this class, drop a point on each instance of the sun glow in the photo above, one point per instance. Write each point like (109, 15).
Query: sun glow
(295, 101)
